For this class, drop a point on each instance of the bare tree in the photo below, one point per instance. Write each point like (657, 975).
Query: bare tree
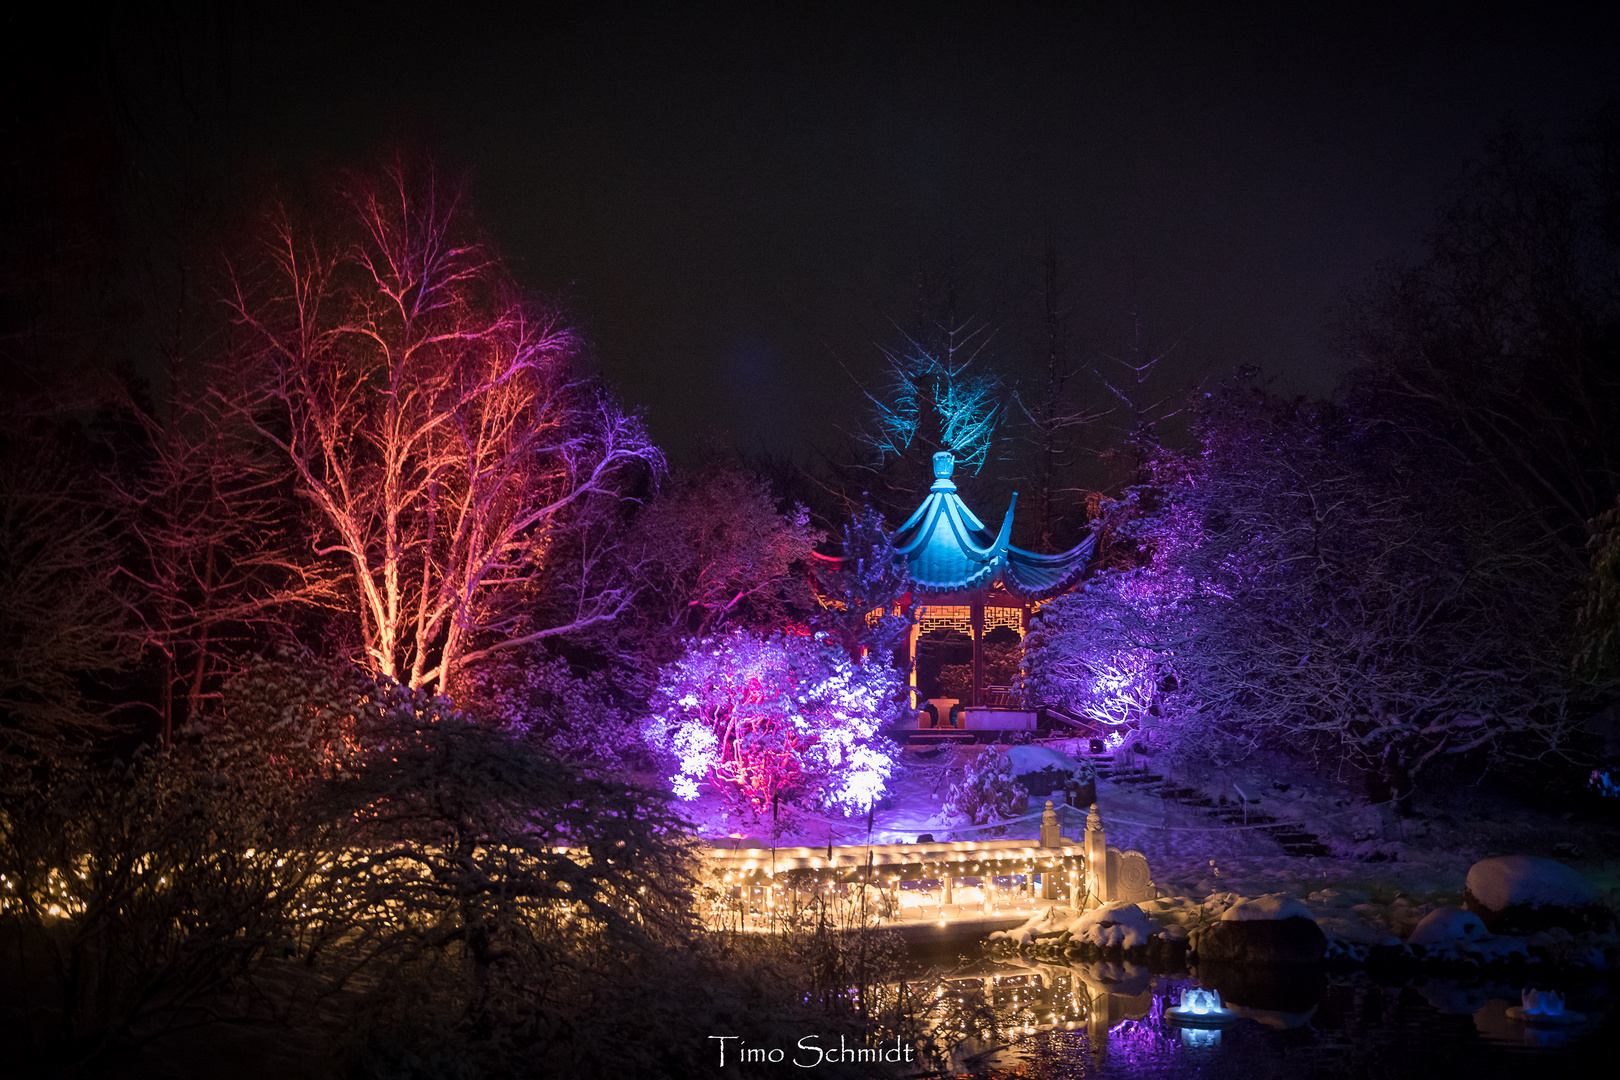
(1057, 422)
(1145, 400)
(1498, 351)
(63, 623)
(209, 519)
(714, 551)
(939, 395)
(431, 419)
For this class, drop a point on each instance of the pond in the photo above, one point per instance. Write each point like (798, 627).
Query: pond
(1108, 1021)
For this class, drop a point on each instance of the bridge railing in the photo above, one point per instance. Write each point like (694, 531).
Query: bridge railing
(761, 884)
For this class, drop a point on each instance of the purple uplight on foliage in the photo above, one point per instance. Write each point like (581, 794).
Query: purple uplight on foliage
(1289, 582)
(776, 719)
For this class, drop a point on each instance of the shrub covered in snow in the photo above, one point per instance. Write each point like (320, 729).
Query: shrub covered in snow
(1267, 908)
(780, 717)
(1040, 769)
(987, 790)
(1115, 925)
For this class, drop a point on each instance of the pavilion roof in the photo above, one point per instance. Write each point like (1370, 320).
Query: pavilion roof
(949, 550)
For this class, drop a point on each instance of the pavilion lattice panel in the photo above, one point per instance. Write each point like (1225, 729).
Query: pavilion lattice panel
(998, 616)
(960, 618)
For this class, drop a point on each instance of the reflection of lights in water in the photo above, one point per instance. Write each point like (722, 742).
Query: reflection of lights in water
(1191, 1036)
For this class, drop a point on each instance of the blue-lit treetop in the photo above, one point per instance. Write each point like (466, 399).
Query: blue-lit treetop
(943, 397)
(947, 549)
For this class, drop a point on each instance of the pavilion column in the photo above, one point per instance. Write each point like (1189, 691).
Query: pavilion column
(1023, 637)
(912, 638)
(976, 614)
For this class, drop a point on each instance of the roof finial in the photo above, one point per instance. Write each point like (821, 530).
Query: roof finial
(944, 464)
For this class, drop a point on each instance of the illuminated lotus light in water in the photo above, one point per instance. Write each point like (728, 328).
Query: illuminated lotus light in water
(1200, 1008)
(1543, 1007)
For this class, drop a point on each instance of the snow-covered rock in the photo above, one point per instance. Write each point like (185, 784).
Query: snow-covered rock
(1448, 928)
(1452, 932)
(1525, 893)
(1116, 925)
(1267, 908)
(1265, 931)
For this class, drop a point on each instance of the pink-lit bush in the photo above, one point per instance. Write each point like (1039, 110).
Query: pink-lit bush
(777, 720)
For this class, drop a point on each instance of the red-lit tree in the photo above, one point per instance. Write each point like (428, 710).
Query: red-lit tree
(714, 552)
(431, 419)
(213, 563)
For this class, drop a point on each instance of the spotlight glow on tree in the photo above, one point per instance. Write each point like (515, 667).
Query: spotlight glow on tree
(943, 397)
(777, 719)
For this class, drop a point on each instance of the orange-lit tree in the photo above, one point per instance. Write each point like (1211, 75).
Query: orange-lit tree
(432, 420)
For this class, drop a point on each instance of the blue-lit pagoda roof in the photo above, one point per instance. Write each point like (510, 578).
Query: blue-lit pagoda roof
(949, 549)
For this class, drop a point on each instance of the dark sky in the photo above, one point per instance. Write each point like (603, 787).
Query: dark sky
(736, 201)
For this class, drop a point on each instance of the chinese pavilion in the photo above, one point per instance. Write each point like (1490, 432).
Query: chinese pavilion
(966, 578)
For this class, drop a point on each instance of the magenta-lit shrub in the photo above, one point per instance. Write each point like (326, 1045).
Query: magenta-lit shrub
(777, 720)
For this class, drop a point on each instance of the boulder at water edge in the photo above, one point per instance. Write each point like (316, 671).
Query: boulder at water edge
(1268, 931)
(1520, 894)
(1448, 928)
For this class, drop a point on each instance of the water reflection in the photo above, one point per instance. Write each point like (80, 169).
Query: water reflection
(1108, 1020)
(1200, 1037)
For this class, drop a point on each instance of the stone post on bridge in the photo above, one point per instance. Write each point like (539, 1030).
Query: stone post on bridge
(1098, 879)
(1049, 839)
(1050, 827)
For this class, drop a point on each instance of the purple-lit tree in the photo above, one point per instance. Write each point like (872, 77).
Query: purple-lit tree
(785, 718)
(1309, 589)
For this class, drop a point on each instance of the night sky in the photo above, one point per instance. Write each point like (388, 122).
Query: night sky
(736, 203)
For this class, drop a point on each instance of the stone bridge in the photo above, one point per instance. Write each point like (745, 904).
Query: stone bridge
(928, 883)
